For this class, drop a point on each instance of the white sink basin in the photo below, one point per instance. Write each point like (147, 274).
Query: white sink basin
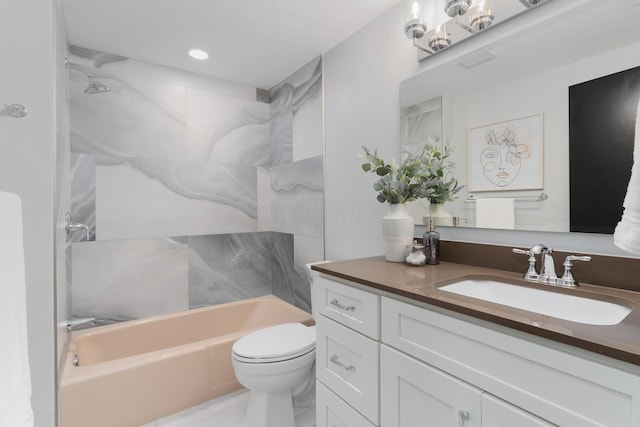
(562, 306)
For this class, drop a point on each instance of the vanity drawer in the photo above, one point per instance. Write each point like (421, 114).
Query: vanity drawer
(355, 308)
(331, 411)
(348, 363)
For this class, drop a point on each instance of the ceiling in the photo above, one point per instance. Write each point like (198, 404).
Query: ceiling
(252, 42)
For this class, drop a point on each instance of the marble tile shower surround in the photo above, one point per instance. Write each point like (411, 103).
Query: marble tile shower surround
(287, 275)
(138, 118)
(294, 202)
(228, 130)
(117, 280)
(229, 267)
(153, 159)
(302, 88)
(133, 196)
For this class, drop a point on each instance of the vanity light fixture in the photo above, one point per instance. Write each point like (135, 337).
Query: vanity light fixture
(481, 19)
(440, 39)
(426, 19)
(415, 23)
(198, 54)
(457, 7)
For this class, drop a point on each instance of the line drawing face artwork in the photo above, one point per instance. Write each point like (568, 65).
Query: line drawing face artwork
(502, 159)
(506, 155)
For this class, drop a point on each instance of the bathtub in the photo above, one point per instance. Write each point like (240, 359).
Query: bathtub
(134, 372)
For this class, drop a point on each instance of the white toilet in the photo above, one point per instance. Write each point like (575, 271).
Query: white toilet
(273, 363)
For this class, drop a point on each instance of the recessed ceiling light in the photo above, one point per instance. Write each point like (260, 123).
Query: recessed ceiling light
(198, 54)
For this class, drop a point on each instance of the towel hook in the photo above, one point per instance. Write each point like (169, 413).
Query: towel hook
(16, 110)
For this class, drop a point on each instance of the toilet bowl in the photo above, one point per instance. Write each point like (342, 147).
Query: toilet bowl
(272, 363)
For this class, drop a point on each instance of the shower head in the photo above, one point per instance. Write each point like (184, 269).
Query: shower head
(96, 86)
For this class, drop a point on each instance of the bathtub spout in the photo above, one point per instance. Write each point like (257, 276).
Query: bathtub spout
(74, 324)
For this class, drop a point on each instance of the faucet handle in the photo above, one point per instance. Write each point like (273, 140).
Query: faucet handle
(531, 273)
(575, 258)
(567, 279)
(521, 251)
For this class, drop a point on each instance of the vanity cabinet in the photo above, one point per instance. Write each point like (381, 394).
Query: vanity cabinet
(347, 354)
(515, 374)
(384, 360)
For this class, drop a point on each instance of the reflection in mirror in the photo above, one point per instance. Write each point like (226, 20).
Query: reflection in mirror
(426, 123)
(504, 75)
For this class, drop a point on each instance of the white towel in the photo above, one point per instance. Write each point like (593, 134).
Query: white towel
(627, 233)
(495, 213)
(15, 377)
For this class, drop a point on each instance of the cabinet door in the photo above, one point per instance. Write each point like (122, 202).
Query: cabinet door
(415, 394)
(498, 413)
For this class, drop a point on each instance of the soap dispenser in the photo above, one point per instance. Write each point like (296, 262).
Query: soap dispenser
(431, 240)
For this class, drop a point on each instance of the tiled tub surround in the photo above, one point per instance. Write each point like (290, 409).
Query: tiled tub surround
(237, 178)
(135, 372)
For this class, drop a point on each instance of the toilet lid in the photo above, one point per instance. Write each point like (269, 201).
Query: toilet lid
(276, 343)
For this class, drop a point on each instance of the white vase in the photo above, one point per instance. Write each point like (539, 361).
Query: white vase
(437, 210)
(397, 233)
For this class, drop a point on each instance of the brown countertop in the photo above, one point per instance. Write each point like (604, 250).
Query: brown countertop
(621, 341)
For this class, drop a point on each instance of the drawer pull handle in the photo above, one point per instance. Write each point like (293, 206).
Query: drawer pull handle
(342, 306)
(336, 361)
(463, 417)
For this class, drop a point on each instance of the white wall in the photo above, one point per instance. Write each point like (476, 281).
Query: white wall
(26, 168)
(362, 77)
(362, 107)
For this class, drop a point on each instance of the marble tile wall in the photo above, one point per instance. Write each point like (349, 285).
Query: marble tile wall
(193, 197)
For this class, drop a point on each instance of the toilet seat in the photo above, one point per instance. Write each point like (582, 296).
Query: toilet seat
(275, 343)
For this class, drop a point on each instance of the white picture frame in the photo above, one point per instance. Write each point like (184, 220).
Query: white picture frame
(507, 155)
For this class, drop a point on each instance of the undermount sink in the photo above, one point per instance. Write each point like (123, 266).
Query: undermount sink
(560, 305)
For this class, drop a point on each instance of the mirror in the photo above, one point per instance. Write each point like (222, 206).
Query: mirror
(517, 77)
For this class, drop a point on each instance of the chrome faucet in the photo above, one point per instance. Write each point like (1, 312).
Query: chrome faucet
(547, 273)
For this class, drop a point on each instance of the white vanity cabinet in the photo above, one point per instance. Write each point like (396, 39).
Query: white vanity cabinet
(516, 375)
(347, 354)
(384, 360)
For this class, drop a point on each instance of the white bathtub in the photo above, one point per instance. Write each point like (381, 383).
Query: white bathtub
(134, 372)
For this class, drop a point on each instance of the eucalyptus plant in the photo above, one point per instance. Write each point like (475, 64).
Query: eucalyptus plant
(425, 175)
(445, 186)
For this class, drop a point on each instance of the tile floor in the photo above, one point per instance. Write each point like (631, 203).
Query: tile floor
(226, 411)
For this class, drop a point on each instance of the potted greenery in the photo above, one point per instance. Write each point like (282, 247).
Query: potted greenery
(444, 186)
(425, 175)
(410, 181)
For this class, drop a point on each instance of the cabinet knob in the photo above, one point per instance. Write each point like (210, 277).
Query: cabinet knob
(463, 417)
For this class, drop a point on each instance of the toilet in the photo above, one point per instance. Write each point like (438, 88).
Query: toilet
(273, 363)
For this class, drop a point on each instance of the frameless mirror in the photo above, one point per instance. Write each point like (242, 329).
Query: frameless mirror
(508, 89)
